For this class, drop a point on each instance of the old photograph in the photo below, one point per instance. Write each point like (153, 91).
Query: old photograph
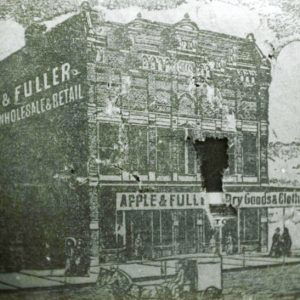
(149, 149)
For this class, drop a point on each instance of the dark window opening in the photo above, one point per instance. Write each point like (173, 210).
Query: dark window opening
(250, 155)
(214, 161)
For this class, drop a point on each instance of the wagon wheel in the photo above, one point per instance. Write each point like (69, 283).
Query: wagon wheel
(212, 293)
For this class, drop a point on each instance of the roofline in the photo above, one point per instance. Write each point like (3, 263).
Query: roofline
(205, 31)
(155, 23)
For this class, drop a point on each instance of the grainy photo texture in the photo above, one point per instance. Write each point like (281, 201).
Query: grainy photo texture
(149, 149)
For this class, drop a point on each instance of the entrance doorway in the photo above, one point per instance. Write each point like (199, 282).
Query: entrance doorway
(230, 236)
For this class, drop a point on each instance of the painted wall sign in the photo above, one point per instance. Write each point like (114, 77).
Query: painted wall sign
(152, 201)
(25, 106)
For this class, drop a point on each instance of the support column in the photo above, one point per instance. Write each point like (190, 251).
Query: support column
(239, 230)
(264, 229)
(94, 225)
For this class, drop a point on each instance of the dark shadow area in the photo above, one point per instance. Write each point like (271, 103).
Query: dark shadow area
(214, 160)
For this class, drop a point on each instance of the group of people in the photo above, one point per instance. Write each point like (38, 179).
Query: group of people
(281, 243)
(77, 259)
(227, 245)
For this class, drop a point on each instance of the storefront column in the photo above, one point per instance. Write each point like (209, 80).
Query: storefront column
(264, 229)
(175, 232)
(152, 234)
(220, 250)
(200, 232)
(94, 225)
(239, 230)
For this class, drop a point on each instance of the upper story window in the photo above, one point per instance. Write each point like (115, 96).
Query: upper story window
(138, 148)
(247, 76)
(249, 155)
(186, 105)
(186, 153)
(189, 45)
(156, 63)
(204, 71)
(109, 148)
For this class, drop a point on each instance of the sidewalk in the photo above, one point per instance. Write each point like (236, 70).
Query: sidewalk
(45, 279)
(151, 270)
(140, 272)
(255, 260)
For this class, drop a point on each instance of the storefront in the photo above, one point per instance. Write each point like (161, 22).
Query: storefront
(260, 213)
(168, 223)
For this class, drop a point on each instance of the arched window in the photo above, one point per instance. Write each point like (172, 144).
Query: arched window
(167, 65)
(160, 64)
(186, 105)
(145, 62)
(100, 55)
(152, 63)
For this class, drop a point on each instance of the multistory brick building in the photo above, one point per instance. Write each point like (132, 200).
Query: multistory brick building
(98, 123)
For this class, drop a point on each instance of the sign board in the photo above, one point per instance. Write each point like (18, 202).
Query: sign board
(263, 199)
(152, 201)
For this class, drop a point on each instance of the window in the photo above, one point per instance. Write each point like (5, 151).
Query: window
(180, 147)
(186, 105)
(181, 228)
(156, 227)
(109, 148)
(166, 228)
(145, 62)
(162, 227)
(249, 155)
(186, 153)
(250, 225)
(190, 227)
(138, 141)
(163, 154)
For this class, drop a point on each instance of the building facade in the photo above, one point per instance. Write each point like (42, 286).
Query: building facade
(99, 122)
(156, 89)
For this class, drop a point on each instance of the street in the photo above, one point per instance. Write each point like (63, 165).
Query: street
(263, 283)
(260, 283)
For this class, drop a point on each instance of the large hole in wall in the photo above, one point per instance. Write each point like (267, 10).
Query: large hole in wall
(214, 161)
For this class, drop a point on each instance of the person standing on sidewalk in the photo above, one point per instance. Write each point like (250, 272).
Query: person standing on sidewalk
(276, 244)
(70, 268)
(229, 244)
(213, 244)
(138, 246)
(286, 242)
(81, 259)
